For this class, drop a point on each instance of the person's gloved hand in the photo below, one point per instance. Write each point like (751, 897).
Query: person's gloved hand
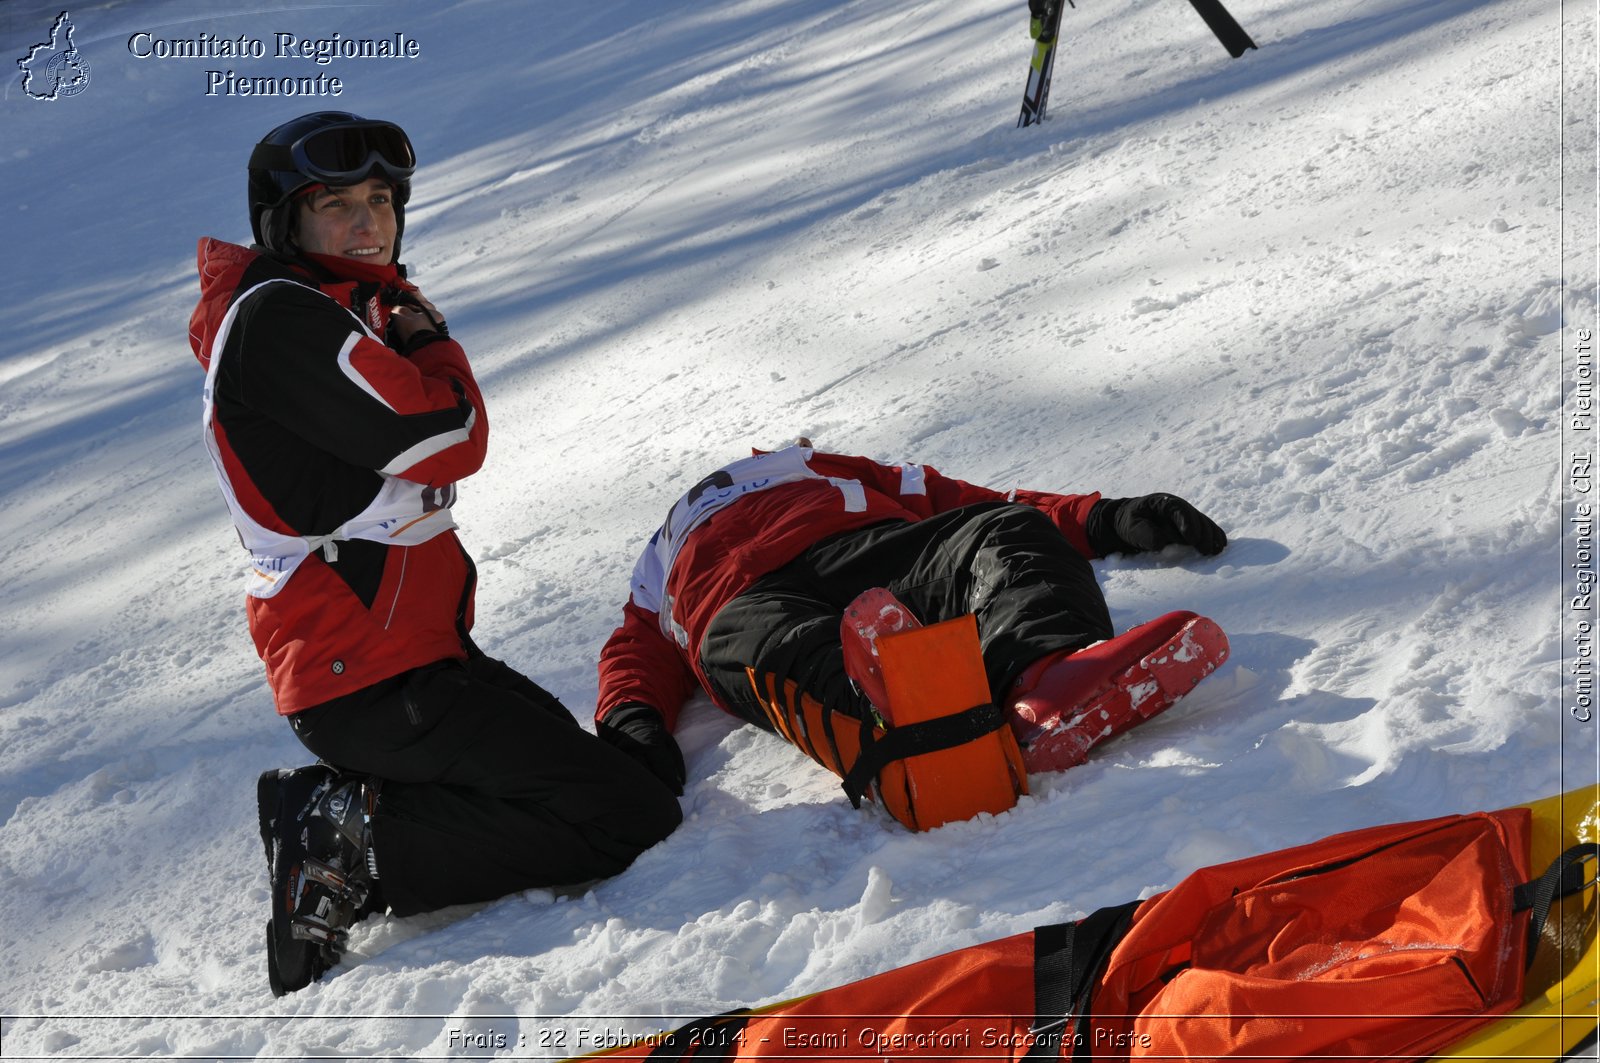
(413, 321)
(639, 731)
(1150, 522)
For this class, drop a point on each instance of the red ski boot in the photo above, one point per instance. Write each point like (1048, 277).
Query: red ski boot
(874, 613)
(1064, 704)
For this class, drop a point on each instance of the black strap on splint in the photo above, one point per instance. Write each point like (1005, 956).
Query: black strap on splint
(1067, 958)
(915, 739)
(709, 1040)
(1564, 877)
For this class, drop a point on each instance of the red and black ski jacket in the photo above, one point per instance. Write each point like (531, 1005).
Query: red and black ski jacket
(338, 457)
(768, 509)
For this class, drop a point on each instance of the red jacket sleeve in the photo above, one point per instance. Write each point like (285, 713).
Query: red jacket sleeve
(444, 362)
(924, 490)
(1070, 513)
(639, 663)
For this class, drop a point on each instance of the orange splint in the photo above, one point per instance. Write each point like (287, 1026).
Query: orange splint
(948, 754)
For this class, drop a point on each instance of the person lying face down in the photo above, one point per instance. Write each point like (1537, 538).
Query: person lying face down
(752, 571)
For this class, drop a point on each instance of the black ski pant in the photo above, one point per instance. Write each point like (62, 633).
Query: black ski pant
(1008, 564)
(488, 786)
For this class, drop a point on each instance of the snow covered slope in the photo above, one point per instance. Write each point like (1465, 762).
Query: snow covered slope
(1324, 291)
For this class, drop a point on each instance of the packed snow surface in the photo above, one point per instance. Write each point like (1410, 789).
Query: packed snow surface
(1323, 291)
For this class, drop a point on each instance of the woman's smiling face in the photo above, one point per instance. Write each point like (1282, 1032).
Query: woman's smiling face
(356, 221)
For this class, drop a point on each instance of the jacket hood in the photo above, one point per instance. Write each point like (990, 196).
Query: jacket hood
(227, 269)
(224, 269)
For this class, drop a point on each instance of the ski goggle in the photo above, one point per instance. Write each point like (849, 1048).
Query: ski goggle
(343, 154)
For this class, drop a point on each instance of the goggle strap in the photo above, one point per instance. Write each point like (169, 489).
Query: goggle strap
(272, 157)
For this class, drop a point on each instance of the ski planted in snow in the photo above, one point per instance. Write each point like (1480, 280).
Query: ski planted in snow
(1223, 24)
(1044, 23)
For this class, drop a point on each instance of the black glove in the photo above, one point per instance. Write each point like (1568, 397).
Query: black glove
(401, 297)
(639, 731)
(435, 329)
(1150, 522)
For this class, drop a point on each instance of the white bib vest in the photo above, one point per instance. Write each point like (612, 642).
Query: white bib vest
(721, 489)
(402, 513)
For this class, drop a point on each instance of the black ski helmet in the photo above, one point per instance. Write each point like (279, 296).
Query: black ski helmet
(325, 147)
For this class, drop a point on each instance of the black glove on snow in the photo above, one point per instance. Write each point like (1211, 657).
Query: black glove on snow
(1150, 522)
(639, 731)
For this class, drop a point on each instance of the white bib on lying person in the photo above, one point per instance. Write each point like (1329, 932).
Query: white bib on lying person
(719, 490)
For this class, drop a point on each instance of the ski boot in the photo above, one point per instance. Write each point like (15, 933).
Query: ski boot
(874, 613)
(314, 826)
(1065, 703)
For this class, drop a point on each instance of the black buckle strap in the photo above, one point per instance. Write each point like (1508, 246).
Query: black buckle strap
(1564, 877)
(914, 739)
(1067, 958)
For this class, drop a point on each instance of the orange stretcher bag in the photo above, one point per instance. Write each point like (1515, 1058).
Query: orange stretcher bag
(1389, 942)
(949, 755)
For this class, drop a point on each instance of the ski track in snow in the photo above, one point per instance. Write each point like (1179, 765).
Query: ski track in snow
(1317, 290)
